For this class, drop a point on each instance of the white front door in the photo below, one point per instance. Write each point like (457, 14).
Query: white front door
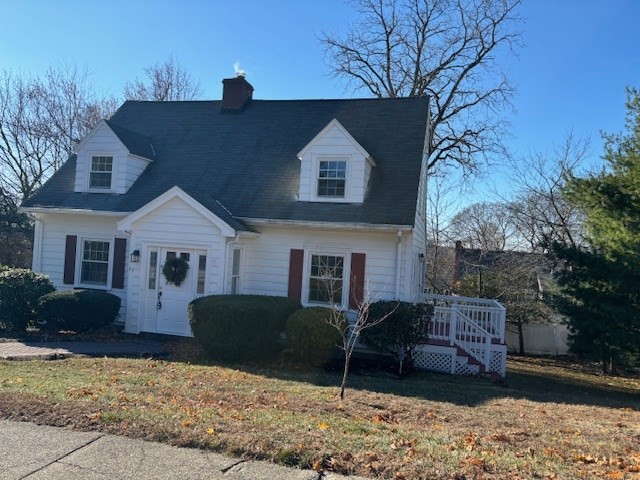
(166, 305)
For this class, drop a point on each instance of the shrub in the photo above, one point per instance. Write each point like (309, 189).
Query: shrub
(240, 327)
(77, 310)
(310, 337)
(19, 293)
(401, 332)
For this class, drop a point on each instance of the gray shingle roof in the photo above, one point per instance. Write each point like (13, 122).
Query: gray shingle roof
(136, 144)
(247, 162)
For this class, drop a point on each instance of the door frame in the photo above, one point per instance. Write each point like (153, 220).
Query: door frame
(195, 249)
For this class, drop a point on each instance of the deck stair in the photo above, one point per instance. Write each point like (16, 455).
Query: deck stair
(466, 336)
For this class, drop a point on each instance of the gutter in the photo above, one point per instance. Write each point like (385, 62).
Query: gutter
(73, 211)
(325, 225)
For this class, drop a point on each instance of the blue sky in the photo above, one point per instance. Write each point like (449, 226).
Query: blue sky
(578, 57)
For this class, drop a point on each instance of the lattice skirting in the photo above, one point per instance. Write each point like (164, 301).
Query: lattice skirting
(434, 361)
(438, 358)
(465, 368)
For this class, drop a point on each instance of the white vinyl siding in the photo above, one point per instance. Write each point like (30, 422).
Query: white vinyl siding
(54, 229)
(266, 259)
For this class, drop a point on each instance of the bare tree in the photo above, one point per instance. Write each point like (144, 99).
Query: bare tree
(441, 204)
(540, 210)
(485, 226)
(446, 49)
(163, 82)
(329, 289)
(518, 280)
(42, 119)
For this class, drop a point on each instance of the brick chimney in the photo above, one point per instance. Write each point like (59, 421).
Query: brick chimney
(236, 94)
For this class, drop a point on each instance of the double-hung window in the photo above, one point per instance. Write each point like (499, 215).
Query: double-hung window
(94, 268)
(101, 172)
(332, 178)
(326, 279)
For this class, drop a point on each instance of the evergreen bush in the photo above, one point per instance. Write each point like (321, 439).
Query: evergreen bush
(20, 290)
(77, 310)
(310, 337)
(406, 327)
(240, 327)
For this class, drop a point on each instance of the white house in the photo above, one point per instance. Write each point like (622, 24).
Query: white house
(254, 195)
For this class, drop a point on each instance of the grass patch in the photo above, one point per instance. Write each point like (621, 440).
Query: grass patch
(555, 419)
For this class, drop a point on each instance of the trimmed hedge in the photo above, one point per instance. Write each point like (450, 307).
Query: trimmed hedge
(19, 293)
(240, 327)
(401, 332)
(77, 310)
(310, 337)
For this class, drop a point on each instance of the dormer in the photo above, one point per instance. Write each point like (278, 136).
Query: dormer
(334, 167)
(110, 158)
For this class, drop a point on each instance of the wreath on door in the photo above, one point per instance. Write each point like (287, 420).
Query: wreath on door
(175, 270)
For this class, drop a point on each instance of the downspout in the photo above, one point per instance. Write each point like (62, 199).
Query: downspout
(398, 264)
(36, 261)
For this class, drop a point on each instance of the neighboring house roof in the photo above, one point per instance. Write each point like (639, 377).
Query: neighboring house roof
(469, 261)
(246, 163)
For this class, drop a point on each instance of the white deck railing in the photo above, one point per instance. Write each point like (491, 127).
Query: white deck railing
(469, 323)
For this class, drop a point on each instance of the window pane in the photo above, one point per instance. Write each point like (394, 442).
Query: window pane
(332, 178)
(153, 269)
(236, 262)
(202, 269)
(100, 174)
(95, 262)
(235, 271)
(325, 282)
(185, 256)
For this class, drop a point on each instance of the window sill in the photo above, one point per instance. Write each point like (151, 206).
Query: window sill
(91, 287)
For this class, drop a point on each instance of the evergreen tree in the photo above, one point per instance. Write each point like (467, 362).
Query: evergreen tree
(600, 284)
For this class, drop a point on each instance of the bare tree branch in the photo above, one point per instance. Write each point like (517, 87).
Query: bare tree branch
(540, 209)
(163, 82)
(41, 121)
(446, 49)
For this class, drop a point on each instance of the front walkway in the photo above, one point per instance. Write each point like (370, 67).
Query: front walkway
(50, 350)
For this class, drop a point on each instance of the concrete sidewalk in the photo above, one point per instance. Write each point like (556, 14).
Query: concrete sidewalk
(29, 451)
(47, 350)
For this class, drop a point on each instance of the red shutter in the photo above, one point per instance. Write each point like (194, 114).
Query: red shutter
(119, 251)
(70, 259)
(296, 260)
(356, 286)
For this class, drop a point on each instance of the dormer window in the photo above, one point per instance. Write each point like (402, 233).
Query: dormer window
(334, 167)
(332, 178)
(101, 172)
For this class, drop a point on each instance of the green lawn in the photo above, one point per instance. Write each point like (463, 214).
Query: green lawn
(554, 419)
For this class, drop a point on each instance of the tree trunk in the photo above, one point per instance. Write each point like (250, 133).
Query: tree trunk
(521, 337)
(345, 374)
